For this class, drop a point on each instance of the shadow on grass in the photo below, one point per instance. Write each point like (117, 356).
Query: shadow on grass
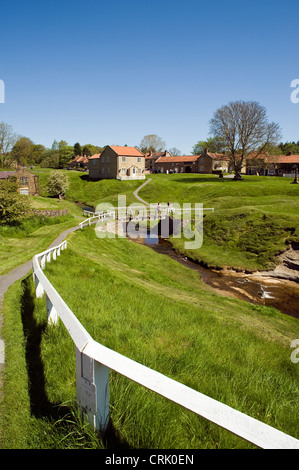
(40, 406)
(39, 403)
(202, 179)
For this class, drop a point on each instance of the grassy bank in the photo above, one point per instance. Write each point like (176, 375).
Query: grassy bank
(27, 419)
(88, 192)
(18, 244)
(253, 220)
(157, 312)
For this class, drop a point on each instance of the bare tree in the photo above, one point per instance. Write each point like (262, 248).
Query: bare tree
(7, 140)
(244, 128)
(152, 143)
(174, 151)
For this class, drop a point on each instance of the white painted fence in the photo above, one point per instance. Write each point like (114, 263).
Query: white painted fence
(93, 361)
(100, 216)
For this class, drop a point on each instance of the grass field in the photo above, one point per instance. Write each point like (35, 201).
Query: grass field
(157, 312)
(88, 192)
(253, 220)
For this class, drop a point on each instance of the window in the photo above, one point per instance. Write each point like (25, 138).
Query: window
(123, 159)
(138, 159)
(94, 162)
(139, 170)
(24, 180)
(103, 159)
(108, 159)
(24, 191)
(103, 170)
(123, 170)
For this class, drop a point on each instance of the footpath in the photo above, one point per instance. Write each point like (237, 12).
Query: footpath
(15, 275)
(18, 273)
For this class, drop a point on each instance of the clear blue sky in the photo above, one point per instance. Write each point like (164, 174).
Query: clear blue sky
(111, 72)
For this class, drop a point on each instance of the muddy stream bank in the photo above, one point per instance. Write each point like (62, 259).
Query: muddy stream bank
(257, 288)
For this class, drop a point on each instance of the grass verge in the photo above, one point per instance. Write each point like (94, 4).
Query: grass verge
(157, 312)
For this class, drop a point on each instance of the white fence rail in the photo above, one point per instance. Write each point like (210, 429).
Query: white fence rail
(101, 217)
(94, 360)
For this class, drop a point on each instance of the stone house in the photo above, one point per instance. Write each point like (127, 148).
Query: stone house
(178, 164)
(272, 165)
(79, 162)
(212, 162)
(28, 182)
(151, 158)
(205, 163)
(122, 163)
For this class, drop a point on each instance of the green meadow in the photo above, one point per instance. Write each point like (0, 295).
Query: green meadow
(155, 311)
(253, 220)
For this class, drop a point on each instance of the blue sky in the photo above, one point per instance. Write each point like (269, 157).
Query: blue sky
(111, 72)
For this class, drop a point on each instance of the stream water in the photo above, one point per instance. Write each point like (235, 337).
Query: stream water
(283, 295)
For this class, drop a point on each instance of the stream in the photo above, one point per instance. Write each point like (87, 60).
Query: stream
(281, 294)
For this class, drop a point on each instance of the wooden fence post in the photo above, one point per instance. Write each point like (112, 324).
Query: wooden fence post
(92, 382)
(39, 290)
(51, 311)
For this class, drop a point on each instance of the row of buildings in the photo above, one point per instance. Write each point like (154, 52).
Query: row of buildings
(124, 163)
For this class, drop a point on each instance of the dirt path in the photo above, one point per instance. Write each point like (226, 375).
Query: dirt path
(10, 278)
(138, 189)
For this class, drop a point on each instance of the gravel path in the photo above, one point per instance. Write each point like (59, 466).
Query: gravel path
(14, 275)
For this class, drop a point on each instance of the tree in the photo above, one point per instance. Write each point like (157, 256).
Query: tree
(77, 149)
(152, 143)
(89, 150)
(50, 159)
(58, 183)
(66, 154)
(213, 144)
(37, 152)
(55, 145)
(22, 151)
(289, 148)
(13, 206)
(174, 151)
(244, 128)
(7, 140)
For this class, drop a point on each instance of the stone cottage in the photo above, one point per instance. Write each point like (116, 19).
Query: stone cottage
(28, 182)
(122, 163)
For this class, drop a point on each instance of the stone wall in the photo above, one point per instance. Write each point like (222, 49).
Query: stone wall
(50, 212)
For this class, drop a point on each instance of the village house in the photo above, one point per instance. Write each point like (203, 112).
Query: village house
(28, 182)
(78, 163)
(151, 157)
(178, 164)
(213, 162)
(205, 163)
(123, 163)
(272, 165)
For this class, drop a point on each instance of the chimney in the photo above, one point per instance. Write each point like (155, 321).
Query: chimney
(206, 150)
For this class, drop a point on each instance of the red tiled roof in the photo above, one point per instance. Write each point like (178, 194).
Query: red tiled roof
(126, 151)
(93, 157)
(178, 159)
(218, 156)
(276, 158)
(283, 159)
